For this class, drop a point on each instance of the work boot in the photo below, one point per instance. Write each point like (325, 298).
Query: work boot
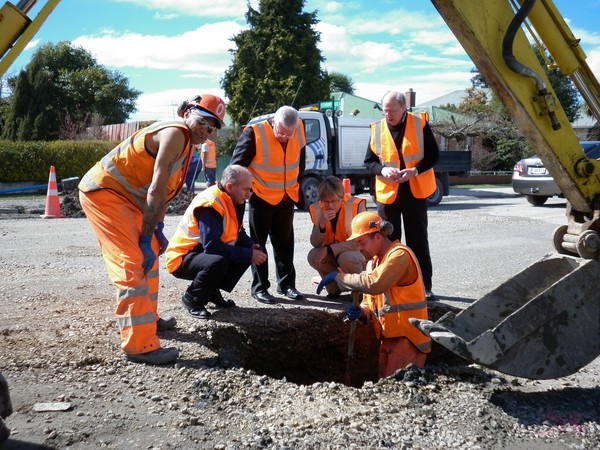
(220, 302)
(155, 357)
(195, 307)
(165, 323)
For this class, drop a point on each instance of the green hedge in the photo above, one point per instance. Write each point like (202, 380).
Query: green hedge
(30, 161)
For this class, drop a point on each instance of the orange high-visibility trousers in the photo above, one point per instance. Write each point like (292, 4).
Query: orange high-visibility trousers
(117, 224)
(397, 353)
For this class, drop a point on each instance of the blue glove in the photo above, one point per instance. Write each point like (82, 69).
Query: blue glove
(354, 312)
(329, 278)
(162, 240)
(149, 255)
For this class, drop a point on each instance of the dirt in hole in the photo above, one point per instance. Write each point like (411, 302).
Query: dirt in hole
(303, 347)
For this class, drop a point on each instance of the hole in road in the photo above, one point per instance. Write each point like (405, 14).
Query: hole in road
(304, 346)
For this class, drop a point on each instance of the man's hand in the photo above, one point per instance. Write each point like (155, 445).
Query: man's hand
(145, 244)
(259, 256)
(406, 174)
(390, 174)
(354, 312)
(162, 240)
(329, 278)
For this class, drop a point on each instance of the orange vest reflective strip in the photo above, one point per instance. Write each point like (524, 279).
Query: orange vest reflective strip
(210, 156)
(393, 308)
(413, 151)
(128, 168)
(347, 212)
(274, 171)
(187, 235)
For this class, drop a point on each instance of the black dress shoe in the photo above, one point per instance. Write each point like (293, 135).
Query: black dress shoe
(291, 293)
(220, 302)
(264, 297)
(194, 308)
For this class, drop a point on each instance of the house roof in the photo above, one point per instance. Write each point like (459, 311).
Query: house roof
(438, 115)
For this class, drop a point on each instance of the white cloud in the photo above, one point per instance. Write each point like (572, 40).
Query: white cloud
(200, 8)
(32, 44)
(203, 50)
(163, 105)
(159, 16)
(333, 7)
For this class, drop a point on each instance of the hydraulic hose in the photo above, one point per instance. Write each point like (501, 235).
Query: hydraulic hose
(512, 62)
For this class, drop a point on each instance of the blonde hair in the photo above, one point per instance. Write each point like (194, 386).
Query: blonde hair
(330, 187)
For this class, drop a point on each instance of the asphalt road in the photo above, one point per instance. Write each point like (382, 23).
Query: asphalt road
(479, 237)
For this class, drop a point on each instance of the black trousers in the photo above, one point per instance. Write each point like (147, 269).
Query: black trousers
(277, 223)
(209, 273)
(412, 212)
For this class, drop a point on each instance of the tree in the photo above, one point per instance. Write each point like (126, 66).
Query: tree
(276, 61)
(339, 82)
(565, 90)
(61, 90)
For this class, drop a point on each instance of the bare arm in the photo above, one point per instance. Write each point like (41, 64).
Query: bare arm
(168, 143)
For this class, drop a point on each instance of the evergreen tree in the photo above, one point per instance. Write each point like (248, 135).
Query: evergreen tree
(340, 82)
(276, 61)
(60, 90)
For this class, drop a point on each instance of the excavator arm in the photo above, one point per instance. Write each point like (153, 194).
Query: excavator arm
(16, 29)
(545, 321)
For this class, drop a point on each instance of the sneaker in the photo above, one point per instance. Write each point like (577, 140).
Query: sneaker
(165, 323)
(155, 357)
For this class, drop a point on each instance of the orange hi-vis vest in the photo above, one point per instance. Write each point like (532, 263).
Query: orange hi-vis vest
(393, 308)
(210, 157)
(275, 171)
(413, 150)
(128, 168)
(187, 235)
(343, 227)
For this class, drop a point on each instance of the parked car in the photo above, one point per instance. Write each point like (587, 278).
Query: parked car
(531, 179)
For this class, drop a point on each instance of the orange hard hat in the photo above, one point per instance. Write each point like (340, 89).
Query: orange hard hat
(207, 105)
(365, 223)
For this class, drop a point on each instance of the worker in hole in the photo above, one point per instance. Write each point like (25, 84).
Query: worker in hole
(393, 291)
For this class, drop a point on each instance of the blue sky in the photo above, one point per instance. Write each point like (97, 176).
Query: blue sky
(173, 49)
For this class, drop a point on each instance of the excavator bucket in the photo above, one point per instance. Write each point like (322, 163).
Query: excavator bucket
(543, 323)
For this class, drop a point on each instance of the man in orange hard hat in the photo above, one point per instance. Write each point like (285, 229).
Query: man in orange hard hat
(124, 197)
(393, 292)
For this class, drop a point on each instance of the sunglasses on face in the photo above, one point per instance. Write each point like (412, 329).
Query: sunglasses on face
(203, 123)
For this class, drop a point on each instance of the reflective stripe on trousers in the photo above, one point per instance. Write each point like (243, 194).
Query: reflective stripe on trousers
(117, 224)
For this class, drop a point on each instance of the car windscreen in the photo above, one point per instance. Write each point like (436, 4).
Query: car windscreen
(591, 149)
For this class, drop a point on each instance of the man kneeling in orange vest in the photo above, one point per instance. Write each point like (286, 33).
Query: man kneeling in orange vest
(393, 292)
(210, 246)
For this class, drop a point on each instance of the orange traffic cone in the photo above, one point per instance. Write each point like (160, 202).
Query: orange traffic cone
(346, 184)
(52, 203)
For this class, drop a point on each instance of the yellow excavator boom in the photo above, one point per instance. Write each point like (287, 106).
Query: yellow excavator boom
(545, 321)
(16, 29)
